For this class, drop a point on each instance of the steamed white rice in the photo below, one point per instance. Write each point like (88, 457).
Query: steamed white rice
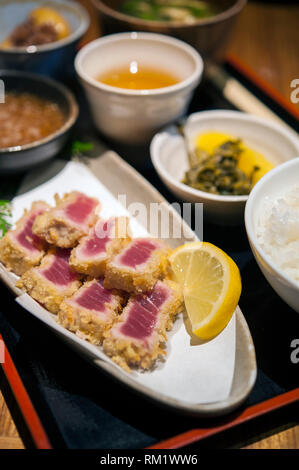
(278, 231)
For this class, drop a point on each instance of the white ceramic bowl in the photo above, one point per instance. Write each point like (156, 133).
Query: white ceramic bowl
(133, 116)
(170, 159)
(272, 185)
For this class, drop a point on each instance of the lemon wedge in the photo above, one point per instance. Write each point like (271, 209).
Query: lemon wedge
(211, 285)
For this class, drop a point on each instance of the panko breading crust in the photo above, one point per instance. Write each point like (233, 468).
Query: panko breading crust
(131, 280)
(56, 229)
(128, 352)
(97, 267)
(44, 291)
(13, 255)
(84, 322)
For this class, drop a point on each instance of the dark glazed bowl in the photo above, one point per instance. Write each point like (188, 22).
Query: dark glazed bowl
(23, 157)
(54, 59)
(209, 36)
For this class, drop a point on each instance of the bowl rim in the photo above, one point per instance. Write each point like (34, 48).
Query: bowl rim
(223, 15)
(198, 117)
(70, 118)
(75, 35)
(294, 162)
(135, 36)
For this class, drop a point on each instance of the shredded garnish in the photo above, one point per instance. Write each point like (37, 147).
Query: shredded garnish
(5, 214)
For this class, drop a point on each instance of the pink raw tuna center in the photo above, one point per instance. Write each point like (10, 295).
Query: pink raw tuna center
(59, 272)
(143, 314)
(138, 253)
(79, 210)
(97, 244)
(25, 237)
(95, 297)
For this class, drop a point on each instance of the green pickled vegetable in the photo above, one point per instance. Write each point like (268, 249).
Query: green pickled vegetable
(185, 11)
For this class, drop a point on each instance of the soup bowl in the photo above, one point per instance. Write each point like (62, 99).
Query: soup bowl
(23, 157)
(210, 36)
(129, 115)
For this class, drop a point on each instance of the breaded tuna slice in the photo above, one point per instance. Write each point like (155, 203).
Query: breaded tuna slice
(104, 240)
(138, 336)
(68, 221)
(51, 281)
(91, 311)
(138, 266)
(20, 249)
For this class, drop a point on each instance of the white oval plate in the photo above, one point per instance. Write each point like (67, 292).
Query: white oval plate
(204, 379)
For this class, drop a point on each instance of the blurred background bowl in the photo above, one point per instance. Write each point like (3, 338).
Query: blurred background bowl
(54, 59)
(271, 186)
(209, 36)
(21, 158)
(133, 116)
(169, 156)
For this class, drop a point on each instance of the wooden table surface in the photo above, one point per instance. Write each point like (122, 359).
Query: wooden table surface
(266, 38)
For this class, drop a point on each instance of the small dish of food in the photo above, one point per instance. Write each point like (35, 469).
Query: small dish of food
(34, 126)
(40, 37)
(205, 24)
(218, 156)
(272, 225)
(142, 82)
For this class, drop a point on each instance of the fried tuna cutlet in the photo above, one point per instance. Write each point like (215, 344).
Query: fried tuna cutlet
(138, 266)
(91, 311)
(51, 281)
(68, 221)
(104, 240)
(20, 249)
(137, 337)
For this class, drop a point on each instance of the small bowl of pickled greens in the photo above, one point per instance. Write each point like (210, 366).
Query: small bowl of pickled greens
(182, 11)
(204, 24)
(216, 158)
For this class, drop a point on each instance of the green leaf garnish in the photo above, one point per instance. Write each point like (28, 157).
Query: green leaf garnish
(5, 214)
(79, 147)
